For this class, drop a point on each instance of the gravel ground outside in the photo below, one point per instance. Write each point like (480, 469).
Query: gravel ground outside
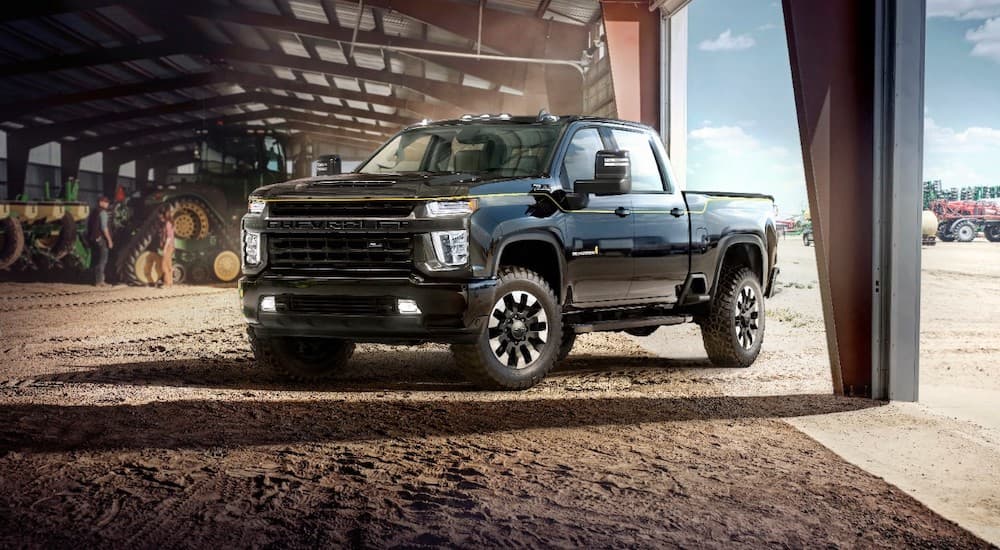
(136, 417)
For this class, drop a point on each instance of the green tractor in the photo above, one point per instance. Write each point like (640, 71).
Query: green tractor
(206, 207)
(44, 235)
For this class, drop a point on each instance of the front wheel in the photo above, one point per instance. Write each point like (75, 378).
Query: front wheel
(733, 328)
(305, 359)
(965, 231)
(522, 338)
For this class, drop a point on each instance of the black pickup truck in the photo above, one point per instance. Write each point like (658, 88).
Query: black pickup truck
(505, 237)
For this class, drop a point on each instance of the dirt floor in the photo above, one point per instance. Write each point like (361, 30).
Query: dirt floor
(135, 417)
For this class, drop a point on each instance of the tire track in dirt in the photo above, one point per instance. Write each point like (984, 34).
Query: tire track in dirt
(113, 301)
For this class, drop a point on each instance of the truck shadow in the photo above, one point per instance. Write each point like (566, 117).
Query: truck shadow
(414, 371)
(203, 424)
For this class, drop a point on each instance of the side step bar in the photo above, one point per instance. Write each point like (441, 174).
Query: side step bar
(622, 324)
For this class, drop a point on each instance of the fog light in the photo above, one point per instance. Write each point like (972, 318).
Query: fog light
(268, 304)
(407, 307)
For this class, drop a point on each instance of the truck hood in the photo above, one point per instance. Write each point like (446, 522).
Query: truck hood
(410, 185)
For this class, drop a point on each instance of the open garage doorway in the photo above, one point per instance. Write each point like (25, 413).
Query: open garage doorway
(742, 136)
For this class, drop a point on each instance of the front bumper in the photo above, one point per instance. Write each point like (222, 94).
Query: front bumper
(449, 312)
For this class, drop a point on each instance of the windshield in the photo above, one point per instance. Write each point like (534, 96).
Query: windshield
(503, 150)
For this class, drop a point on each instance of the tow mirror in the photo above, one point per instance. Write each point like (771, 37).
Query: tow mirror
(612, 175)
(328, 165)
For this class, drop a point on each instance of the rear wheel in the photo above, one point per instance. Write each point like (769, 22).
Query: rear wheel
(964, 231)
(522, 339)
(11, 241)
(992, 232)
(944, 232)
(733, 328)
(304, 359)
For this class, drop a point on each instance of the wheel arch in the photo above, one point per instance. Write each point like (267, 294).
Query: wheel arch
(535, 250)
(746, 249)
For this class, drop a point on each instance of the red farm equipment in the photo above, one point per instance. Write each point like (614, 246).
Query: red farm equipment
(962, 220)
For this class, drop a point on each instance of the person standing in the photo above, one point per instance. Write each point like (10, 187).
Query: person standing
(167, 247)
(99, 235)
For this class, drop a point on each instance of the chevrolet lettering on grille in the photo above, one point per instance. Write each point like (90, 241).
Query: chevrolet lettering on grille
(336, 225)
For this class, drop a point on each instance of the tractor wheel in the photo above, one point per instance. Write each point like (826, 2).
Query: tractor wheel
(964, 231)
(59, 243)
(148, 267)
(190, 219)
(944, 233)
(992, 232)
(11, 241)
(226, 266)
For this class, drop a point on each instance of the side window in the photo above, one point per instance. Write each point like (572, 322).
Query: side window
(579, 161)
(646, 175)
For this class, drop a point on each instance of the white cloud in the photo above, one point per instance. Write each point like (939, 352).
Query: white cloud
(726, 42)
(986, 40)
(963, 157)
(728, 158)
(963, 9)
(975, 139)
(733, 140)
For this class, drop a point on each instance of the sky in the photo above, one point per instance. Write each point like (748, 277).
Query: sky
(741, 108)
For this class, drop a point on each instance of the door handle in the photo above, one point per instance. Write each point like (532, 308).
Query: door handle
(621, 211)
(676, 212)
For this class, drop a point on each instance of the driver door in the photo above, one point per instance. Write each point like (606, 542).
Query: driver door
(599, 237)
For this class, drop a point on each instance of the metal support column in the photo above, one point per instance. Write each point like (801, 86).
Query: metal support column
(111, 165)
(857, 70)
(17, 165)
(899, 129)
(831, 50)
(673, 86)
(633, 37)
(69, 160)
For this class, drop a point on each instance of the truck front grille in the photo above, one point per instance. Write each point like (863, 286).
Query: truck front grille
(337, 305)
(378, 254)
(341, 209)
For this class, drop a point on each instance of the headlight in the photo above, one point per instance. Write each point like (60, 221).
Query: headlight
(451, 208)
(256, 207)
(451, 247)
(251, 248)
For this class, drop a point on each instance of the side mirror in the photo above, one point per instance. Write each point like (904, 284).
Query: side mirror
(328, 165)
(612, 175)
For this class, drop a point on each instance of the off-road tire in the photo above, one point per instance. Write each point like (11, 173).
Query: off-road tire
(992, 232)
(944, 233)
(278, 356)
(718, 323)
(12, 243)
(964, 231)
(478, 361)
(566, 344)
